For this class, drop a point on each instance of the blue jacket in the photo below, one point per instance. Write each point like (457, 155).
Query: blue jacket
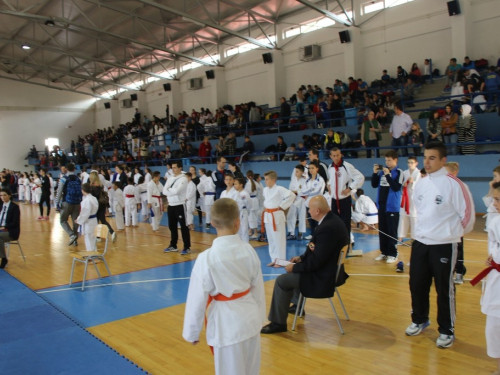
(394, 182)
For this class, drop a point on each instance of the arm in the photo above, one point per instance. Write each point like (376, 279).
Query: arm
(84, 214)
(375, 180)
(395, 184)
(357, 178)
(13, 220)
(257, 290)
(321, 254)
(287, 200)
(179, 185)
(62, 180)
(196, 304)
(464, 205)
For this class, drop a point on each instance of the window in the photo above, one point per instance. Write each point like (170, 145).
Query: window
(376, 5)
(51, 142)
(245, 47)
(195, 64)
(312, 26)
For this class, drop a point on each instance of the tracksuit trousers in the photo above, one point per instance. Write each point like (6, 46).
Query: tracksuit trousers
(177, 215)
(388, 223)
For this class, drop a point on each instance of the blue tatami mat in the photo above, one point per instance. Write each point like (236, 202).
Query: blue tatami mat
(38, 339)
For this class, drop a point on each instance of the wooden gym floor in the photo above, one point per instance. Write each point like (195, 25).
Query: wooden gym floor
(144, 322)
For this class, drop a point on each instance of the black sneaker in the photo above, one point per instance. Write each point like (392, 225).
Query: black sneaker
(291, 237)
(185, 251)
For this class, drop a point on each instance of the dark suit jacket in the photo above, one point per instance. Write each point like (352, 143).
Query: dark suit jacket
(12, 222)
(318, 268)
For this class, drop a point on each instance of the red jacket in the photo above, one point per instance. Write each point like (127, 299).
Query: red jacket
(204, 149)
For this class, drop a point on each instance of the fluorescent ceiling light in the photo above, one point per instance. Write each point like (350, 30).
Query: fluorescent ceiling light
(25, 46)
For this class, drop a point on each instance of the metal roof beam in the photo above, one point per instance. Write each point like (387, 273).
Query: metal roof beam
(248, 10)
(326, 13)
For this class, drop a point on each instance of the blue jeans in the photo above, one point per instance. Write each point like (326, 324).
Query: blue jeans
(451, 138)
(401, 141)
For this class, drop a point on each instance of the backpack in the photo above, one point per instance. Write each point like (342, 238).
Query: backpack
(103, 198)
(72, 190)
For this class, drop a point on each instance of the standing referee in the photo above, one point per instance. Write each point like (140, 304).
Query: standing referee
(445, 211)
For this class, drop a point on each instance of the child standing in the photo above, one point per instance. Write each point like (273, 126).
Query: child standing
(276, 200)
(131, 203)
(365, 211)
(488, 198)
(118, 205)
(315, 185)
(142, 191)
(298, 208)
(230, 191)
(253, 207)
(88, 217)
(229, 276)
(190, 201)
(208, 197)
(408, 212)
(243, 202)
(155, 204)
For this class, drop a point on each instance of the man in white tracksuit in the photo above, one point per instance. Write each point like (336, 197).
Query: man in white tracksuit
(445, 212)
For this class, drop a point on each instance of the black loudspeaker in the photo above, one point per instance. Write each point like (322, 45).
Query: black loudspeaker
(267, 58)
(167, 87)
(344, 36)
(453, 8)
(210, 74)
(107, 105)
(133, 97)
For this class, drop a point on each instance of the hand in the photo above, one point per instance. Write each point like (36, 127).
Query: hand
(296, 260)
(311, 246)
(372, 129)
(488, 261)
(363, 143)
(346, 192)
(386, 171)
(410, 180)
(434, 136)
(289, 268)
(375, 168)
(403, 133)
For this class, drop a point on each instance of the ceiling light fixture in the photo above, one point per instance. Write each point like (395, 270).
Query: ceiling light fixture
(25, 46)
(50, 23)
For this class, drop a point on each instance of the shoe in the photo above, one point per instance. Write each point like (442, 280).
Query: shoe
(459, 279)
(291, 237)
(262, 238)
(170, 249)
(46, 218)
(255, 238)
(207, 226)
(381, 257)
(414, 329)
(3, 263)
(273, 328)
(299, 237)
(39, 218)
(113, 237)
(400, 267)
(185, 251)
(98, 239)
(391, 259)
(292, 309)
(445, 341)
(75, 243)
(308, 237)
(72, 240)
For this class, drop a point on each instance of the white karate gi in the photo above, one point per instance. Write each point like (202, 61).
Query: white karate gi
(20, 188)
(27, 190)
(38, 190)
(88, 207)
(407, 221)
(298, 208)
(490, 301)
(118, 205)
(260, 196)
(491, 211)
(52, 196)
(201, 190)
(229, 267)
(209, 198)
(254, 205)
(244, 201)
(136, 178)
(154, 199)
(365, 211)
(276, 197)
(142, 190)
(131, 204)
(84, 176)
(190, 202)
(147, 178)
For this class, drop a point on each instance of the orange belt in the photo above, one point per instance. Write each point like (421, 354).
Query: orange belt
(271, 211)
(222, 298)
(161, 202)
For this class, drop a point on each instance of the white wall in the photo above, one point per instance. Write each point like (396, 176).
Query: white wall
(29, 114)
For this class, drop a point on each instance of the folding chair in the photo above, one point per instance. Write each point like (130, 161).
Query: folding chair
(302, 299)
(100, 231)
(7, 246)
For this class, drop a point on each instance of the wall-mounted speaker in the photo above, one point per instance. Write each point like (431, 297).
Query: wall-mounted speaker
(133, 97)
(344, 36)
(167, 87)
(210, 74)
(453, 8)
(267, 58)
(107, 105)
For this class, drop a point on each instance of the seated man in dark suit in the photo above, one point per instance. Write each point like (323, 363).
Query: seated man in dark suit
(9, 223)
(313, 274)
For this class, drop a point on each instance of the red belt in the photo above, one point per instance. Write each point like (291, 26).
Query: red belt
(271, 211)
(129, 196)
(222, 298)
(161, 202)
(485, 272)
(405, 200)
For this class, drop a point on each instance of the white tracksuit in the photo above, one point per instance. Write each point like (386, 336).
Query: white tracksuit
(491, 211)
(298, 208)
(190, 202)
(407, 220)
(154, 199)
(88, 207)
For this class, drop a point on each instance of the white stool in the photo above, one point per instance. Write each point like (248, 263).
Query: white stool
(7, 246)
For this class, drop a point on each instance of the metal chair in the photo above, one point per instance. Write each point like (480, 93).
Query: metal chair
(302, 300)
(7, 247)
(100, 231)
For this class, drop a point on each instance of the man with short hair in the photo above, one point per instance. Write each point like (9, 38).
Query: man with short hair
(399, 129)
(70, 200)
(10, 217)
(218, 176)
(445, 212)
(230, 145)
(285, 111)
(452, 71)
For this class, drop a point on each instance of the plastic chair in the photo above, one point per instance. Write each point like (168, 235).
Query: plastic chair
(302, 299)
(7, 246)
(85, 257)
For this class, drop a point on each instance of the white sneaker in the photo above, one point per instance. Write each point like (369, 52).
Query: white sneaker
(414, 328)
(308, 237)
(459, 279)
(391, 260)
(445, 341)
(381, 257)
(113, 237)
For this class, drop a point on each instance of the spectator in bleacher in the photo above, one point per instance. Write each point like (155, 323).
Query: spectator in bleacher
(248, 145)
(385, 80)
(219, 147)
(389, 104)
(285, 111)
(467, 130)
(468, 64)
(335, 109)
(427, 70)
(409, 92)
(330, 140)
(299, 105)
(317, 91)
(290, 153)
(400, 126)
(324, 114)
(137, 116)
(350, 113)
(491, 84)
(416, 138)
(301, 150)
(370, 134)
(205, 150)
(253, 115)
(402, 76)
(376, 103)
(382, 116)
(312, 99)
(230, 144)
(168, 153)
(449, 128)
(415, 73)
(280, 147)
(362, 88)
(353, 88)
(434, 127)
(452, 71)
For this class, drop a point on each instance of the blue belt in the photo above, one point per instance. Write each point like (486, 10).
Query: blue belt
(253, 196)
(93, 216)
(244, 207)
(371, 214)
(209, 193)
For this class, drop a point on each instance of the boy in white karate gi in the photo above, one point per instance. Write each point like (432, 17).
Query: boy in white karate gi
(230, 191)
(88, 217)
(142, 191)
(408, 212)
(132, 200)
(155, 203)
(276, 200)
(243, 202)
(298, 208)
(491, 212)
(208, 197)
(190, 201)
(229, 275)
(253, 208)
(365, 211)
(118, 205)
